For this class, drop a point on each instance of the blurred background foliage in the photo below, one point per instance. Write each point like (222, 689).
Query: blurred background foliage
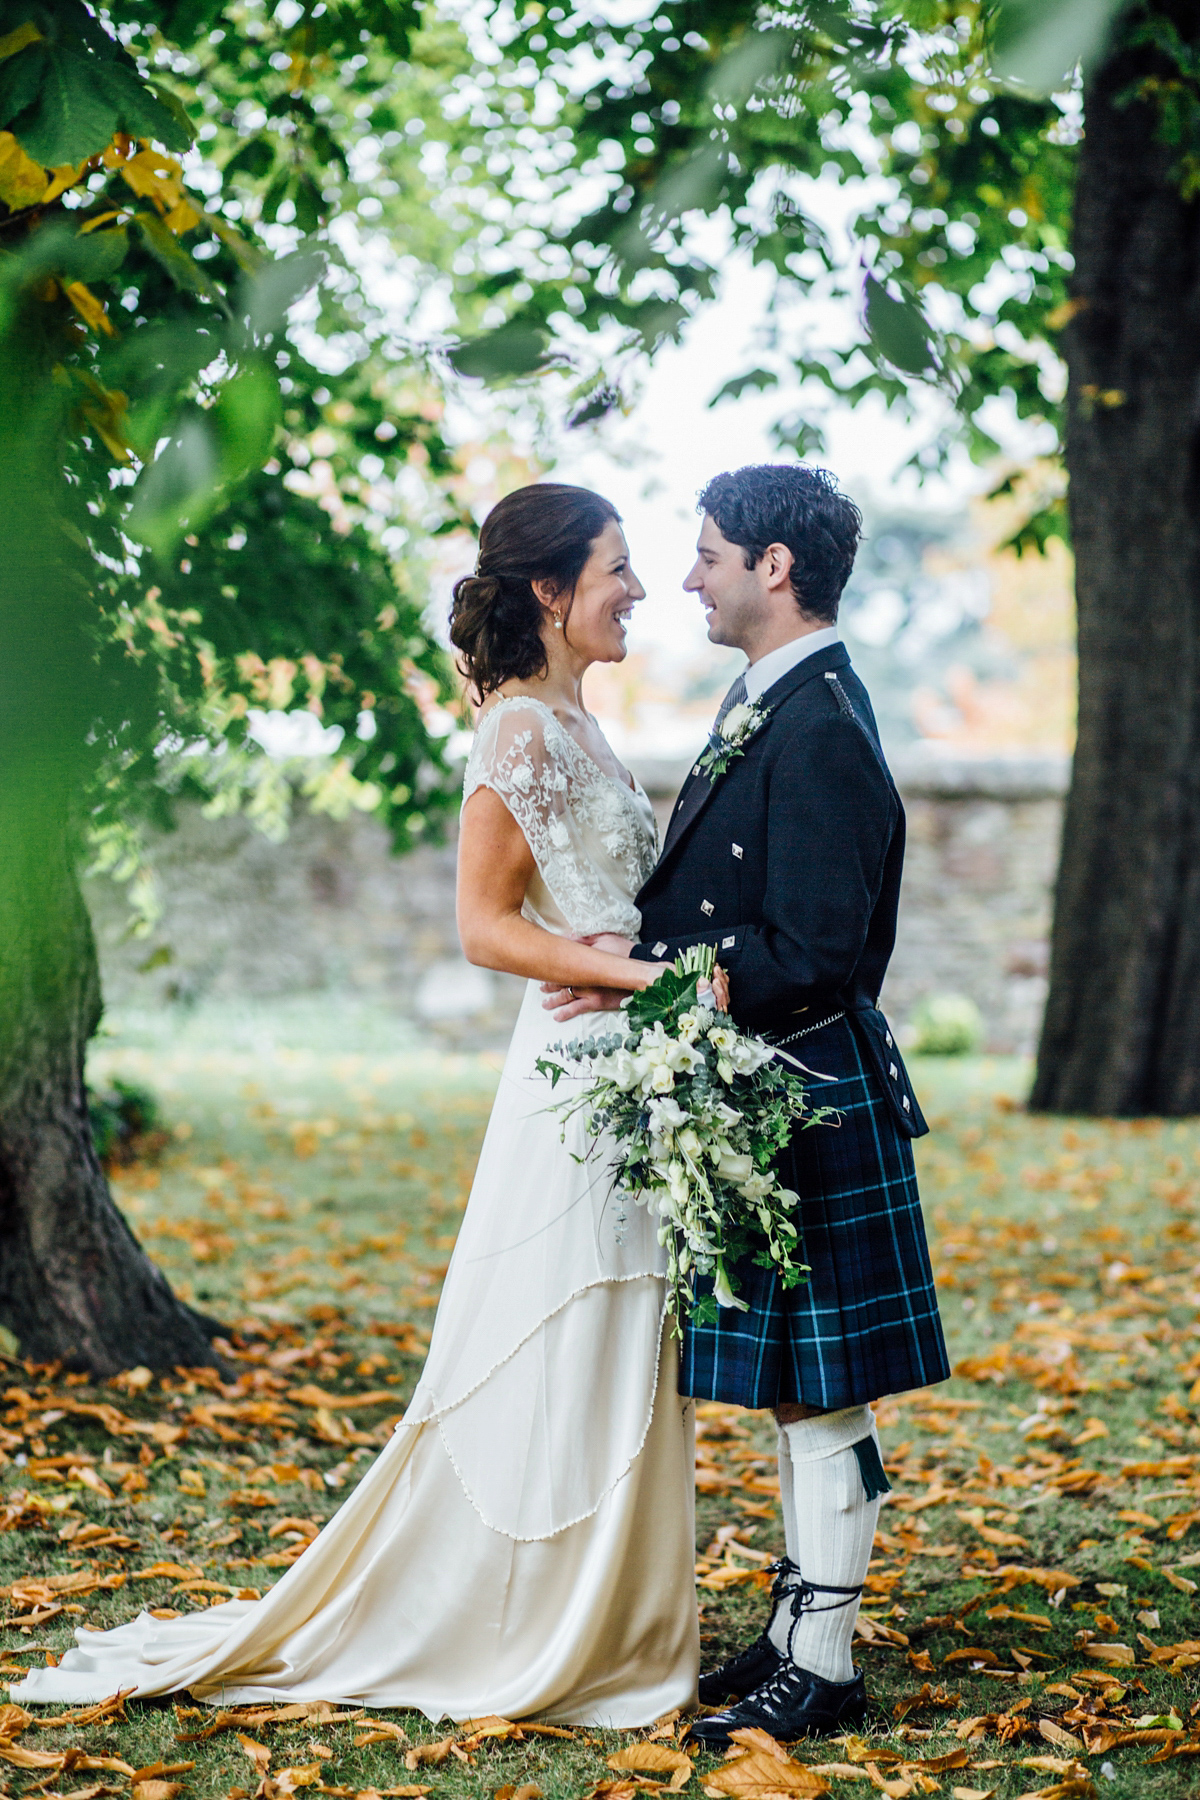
(248, 440)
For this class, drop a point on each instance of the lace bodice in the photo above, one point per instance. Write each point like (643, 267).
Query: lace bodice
(594, 840)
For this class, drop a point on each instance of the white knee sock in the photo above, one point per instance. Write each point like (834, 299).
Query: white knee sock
(829, 1525)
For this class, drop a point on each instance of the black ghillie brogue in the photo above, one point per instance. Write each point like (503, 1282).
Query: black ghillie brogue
(734, 1679)
(791, 1704)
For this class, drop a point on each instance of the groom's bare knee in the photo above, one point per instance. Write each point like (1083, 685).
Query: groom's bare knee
(792, 1410)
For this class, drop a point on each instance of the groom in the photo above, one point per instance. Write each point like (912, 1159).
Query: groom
(789, 863)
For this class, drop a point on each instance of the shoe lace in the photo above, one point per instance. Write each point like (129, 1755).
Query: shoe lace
(790, 1583)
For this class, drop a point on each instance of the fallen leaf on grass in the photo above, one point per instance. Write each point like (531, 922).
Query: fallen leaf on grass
(758, 1774)
(379, 1731)
(926, 1696)
(529, 1791)
(1081, 1788)
(1054, 1734)
(162, 1570)
(965, 1793)
(288, 1780)
(1055, 1765)
(1120, 1655)
(428, 1753)
(13, 1720)
(112, 1708)
(656, 1759)
(153, 1771)
(258, 1753)
(156, 1790)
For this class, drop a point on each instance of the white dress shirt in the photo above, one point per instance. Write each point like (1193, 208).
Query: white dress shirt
(775, 664)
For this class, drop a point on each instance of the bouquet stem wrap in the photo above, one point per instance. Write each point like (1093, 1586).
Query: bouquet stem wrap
(699, 1111)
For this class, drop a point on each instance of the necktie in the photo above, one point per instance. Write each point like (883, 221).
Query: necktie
(735, 697)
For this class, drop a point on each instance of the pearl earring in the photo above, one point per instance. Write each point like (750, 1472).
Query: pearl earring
(557, 623)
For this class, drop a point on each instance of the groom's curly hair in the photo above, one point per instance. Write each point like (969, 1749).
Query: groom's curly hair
(787, 503)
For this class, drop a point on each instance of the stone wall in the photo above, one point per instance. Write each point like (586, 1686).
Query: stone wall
(332, 910)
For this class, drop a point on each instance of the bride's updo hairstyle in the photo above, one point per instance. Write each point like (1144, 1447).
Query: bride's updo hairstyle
(544, 532)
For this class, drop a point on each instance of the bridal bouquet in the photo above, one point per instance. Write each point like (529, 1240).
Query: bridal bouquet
(699, 1111)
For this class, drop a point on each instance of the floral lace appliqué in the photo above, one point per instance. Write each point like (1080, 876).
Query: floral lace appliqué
(591, 836)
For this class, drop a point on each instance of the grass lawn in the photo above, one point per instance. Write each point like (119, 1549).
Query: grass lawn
(1030, 1621)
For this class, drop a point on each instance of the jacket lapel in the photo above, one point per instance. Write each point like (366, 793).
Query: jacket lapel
(698, 790)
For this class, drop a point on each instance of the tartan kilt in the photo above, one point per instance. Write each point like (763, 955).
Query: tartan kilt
(865, 1323)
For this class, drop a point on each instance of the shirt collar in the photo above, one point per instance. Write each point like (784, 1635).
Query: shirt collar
(776, 663)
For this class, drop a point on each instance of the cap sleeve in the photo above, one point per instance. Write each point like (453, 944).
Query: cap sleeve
(518, 752)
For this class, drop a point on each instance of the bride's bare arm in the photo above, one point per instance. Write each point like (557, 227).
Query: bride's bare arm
(495, 866)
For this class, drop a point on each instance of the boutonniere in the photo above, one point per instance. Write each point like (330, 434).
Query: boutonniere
(736, 729)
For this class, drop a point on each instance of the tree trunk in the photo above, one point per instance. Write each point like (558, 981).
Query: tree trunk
(1122, 1028)
(74, 1283)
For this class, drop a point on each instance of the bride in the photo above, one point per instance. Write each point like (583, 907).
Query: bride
(524, 1545)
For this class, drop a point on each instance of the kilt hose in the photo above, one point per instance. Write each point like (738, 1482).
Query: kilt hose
(865, 1323)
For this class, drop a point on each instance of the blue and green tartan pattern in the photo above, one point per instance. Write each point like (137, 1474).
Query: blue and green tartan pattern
(866, 1322)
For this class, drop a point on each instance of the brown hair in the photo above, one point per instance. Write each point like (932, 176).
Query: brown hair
(544, 532)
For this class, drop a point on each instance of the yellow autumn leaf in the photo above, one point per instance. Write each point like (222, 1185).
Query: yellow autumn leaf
(22, 181)
(12, 41)
(307, 1775)
(756, 1774)
(259, 1754)
(62, 177)
(92, 312)
(159, 178)
(655, 1759)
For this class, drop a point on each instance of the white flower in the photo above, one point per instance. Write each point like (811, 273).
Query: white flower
(690, 1025)
(522, 778)
(626, 1070)
(560, 837)
(757, 1187)
(689, 1143)
(677, 1183)
(665, 1115)
(722, 1039)
(682, 1058)
(734, 1166)
(735, 721)
(659, 1080)
(724, 1069)
(724, 1294)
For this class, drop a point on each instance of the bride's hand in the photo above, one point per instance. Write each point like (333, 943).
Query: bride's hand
(568, 1002)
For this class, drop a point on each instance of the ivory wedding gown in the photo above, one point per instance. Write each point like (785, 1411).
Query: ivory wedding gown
(524, 1545)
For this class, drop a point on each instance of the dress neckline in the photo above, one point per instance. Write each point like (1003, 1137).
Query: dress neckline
(632, 786)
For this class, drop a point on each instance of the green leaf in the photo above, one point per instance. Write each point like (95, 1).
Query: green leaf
(246, 415)
(96, 257)
(73, 115)
(256, 158)
(756, 379)
(898, 330)
(1037, 43)
(21, 77)
(263, 302)
(509, 351)
(167, 250)
(178, 111)
(177, 491)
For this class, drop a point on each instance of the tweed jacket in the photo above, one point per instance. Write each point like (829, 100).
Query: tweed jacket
(789, 863)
